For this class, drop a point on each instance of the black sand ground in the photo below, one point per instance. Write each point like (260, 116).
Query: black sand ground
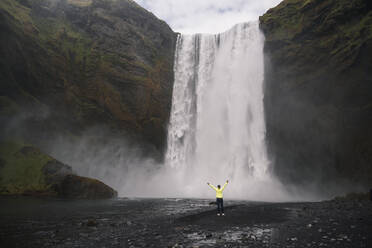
(27, 222)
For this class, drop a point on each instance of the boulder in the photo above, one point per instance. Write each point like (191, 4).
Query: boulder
(77, 187)
(25, 170)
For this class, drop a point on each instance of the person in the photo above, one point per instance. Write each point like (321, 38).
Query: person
(219, 197)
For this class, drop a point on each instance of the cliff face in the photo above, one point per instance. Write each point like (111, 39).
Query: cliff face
(318, 90)
(67, 65)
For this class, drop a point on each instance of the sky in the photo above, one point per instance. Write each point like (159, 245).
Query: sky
(206, 16)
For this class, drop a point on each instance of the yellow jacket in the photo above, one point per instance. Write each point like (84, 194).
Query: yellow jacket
(218, 191)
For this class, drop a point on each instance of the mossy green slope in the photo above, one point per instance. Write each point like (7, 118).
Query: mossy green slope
(87, 63)
(329, 33)
(318, 91)
(21, 169)
(25, 170)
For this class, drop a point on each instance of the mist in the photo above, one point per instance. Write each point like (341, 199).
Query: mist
(134, 170)
(131, 171)
(216, 130)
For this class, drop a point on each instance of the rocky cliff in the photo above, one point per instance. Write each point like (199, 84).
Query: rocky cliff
(67, 65)
(318, 91)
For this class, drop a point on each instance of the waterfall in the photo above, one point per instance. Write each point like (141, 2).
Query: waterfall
(217, 129)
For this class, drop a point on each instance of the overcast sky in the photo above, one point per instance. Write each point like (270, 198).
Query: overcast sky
(206, 16)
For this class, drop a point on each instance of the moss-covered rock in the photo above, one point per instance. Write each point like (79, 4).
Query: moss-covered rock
(86, 63)
(318, 90)
(21, 169)
(25, 170)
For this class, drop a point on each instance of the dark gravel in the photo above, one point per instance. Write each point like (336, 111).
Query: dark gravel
(30, 222)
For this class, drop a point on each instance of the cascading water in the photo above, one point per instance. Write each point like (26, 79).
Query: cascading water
(217, 128)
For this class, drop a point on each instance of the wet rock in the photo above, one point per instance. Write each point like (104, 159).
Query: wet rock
(49, 176)
(293, 32)
(91, 222)
(115, 242)
(84, 235)
(73, 186)
(55, 172)
(2, 163)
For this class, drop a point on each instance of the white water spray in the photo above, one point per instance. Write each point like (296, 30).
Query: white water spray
(217, 128)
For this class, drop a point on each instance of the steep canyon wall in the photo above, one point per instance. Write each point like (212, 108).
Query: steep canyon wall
(68, 65)
(318, 92)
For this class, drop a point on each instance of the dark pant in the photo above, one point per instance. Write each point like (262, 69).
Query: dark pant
(219, 205)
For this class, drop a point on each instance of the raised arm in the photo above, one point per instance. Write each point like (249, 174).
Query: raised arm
(223, 187)
(210, 185)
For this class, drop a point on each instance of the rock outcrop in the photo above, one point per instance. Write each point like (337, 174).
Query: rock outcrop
(77, 187)
(67, 65)
(25, 170)
(318, 90)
